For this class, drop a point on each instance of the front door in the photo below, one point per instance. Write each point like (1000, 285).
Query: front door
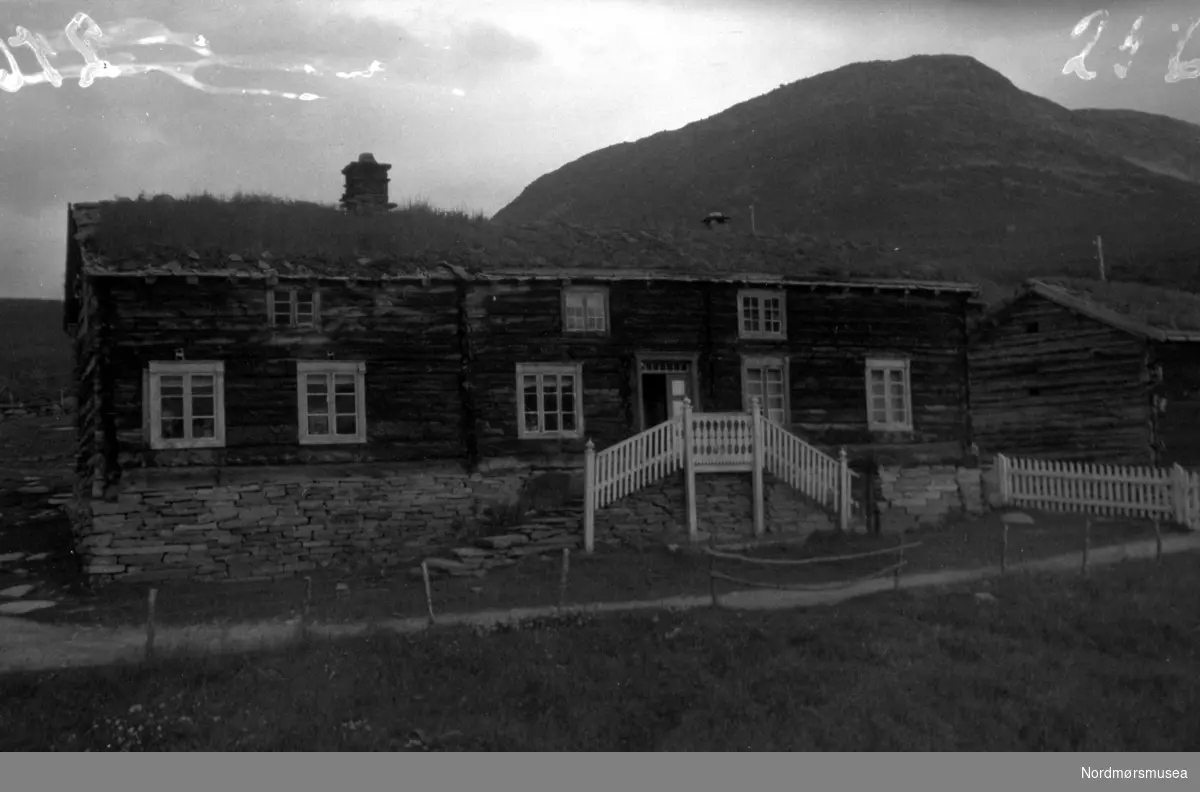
(678, 387)
(664, 385)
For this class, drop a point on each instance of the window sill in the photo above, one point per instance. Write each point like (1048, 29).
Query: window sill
(174, 445)
(333, 440)
(762, 336)
(550, 436)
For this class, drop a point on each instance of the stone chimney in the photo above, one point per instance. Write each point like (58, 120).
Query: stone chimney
(366, 186)
(717, 221)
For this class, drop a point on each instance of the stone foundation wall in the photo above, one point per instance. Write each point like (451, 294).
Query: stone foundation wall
(259, 523)
(724, 506)
(930, 495)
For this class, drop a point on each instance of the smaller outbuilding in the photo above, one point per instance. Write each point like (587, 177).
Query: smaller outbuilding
(1078, 369)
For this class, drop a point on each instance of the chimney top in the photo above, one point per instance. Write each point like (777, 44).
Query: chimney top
(716, 218)
(366, 186)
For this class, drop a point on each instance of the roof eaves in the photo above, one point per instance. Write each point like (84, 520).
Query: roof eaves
(1092, 310)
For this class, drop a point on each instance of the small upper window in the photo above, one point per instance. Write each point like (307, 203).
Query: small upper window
(585, 309)
(297, 308)
(761, 314)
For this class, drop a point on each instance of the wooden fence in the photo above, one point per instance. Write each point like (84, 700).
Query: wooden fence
(1170, 494)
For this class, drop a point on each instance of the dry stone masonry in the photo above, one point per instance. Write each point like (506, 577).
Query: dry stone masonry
(274, 523)
(927, 495)
(724, 506)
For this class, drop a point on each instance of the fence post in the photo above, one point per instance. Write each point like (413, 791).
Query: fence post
(1157, 541)
(899, 563)
(1004, 485)
(843, 491)
(153, 595)
(1192, 501)
(1181, 496)
(712, 579)
(1004, 547)
(562, 581)
(756, 432)
(428, 591)
(1087, 541)
(589, 497)
(689, 469)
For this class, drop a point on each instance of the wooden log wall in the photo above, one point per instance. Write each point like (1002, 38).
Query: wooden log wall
(408, 335)
(441, 362)
(1049, 383)
(830, 335)
(86, 362)
(1178, 421)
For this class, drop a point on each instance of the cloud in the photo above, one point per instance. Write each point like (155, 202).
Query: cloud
(263, 30)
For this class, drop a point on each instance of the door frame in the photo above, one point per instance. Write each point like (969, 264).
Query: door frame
(643, 355)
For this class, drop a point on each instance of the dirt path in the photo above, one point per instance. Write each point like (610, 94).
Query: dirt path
(29, 645)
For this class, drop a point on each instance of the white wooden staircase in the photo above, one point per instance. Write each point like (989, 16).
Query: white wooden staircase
(697, 443)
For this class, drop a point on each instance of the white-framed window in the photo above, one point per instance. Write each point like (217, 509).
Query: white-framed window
(767, 379)
(585, 309)
(331, 395)
(289, 307)
(185, 403)
(889, 395)
(761, 314)
(549, 400)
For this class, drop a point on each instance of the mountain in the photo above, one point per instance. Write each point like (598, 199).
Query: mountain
(938, 155)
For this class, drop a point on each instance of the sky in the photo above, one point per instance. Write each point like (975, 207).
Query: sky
(469, 100)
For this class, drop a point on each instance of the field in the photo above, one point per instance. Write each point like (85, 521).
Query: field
(35, 355)
(1055, 663)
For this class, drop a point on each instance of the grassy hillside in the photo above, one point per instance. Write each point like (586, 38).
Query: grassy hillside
(35, 354)
(940, 156)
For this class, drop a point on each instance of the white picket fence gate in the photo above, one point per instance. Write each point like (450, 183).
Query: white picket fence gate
(697, 442)
(1168, 494)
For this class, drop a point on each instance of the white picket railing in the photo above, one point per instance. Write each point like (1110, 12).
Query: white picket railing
(633, 463)
(1158, 493)
(825, 479)
(714, 442)
(722, 441)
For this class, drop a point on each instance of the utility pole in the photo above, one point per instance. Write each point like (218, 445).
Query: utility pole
(1100, 253)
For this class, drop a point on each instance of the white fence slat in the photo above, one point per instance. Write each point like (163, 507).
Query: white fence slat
(1111, 490)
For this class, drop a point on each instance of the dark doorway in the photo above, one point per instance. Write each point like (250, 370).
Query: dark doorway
(655, 406)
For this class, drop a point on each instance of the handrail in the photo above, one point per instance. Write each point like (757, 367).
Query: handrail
(635, 462)
(715, 442)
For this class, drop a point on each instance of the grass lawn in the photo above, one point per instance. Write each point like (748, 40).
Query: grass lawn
(607, 575)
(1057, 663)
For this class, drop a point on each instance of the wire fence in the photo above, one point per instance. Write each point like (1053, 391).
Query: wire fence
(553, 597)
(893, 569)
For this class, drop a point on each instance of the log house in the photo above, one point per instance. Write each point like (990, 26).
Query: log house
(249, 415)
(1074, 369)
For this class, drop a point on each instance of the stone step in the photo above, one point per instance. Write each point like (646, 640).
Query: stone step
(557, 514)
